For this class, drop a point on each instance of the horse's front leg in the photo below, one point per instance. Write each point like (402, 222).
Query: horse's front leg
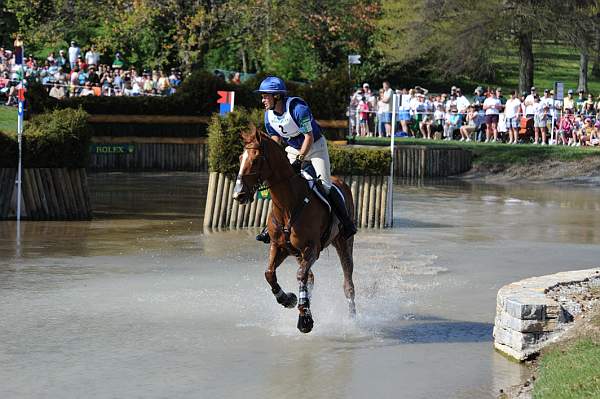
(276, 257)
(305, 283)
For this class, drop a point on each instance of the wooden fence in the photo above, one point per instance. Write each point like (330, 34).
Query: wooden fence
(48, 194)
(369, 193)
(149, 154)
(418, 161)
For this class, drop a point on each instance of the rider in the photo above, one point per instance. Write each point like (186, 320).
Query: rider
(289, 119)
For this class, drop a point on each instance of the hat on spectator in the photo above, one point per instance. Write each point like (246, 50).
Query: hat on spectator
(546, 91)
(499, 89)
(581, 91)
(420, 95)
(479, 89)
(532, 88)
(570, 91)
(365, 85)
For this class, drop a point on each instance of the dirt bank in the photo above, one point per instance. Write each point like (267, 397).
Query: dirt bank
(584, 171)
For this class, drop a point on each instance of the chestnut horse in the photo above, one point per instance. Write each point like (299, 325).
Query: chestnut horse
(300, 224)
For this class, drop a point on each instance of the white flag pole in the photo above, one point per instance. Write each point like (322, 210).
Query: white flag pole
(389, 217)
(21, 111)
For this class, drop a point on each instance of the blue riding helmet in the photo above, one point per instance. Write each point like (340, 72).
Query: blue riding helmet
(272, 85)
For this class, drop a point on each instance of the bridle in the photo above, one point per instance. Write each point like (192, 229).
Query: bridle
(259, 179)
(259, 185)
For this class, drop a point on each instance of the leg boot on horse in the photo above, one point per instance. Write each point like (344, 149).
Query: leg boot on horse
(305, 320)
(263, 236)
(339, 207)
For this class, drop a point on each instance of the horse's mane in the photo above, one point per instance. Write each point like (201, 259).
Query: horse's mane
(264, 136)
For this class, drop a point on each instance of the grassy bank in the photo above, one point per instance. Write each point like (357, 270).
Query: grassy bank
(553, 62)
(8, 119)
(496, 154)
(571, 369)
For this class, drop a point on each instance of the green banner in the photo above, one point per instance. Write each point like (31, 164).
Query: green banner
(264, 194)
(123, 149)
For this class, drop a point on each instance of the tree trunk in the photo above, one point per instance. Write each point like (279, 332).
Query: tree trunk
(583, 70)
(526, 61)
(244, 61)
(596, 67)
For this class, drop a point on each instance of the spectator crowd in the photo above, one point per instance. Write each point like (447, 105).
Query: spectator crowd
(488, 115)
(75, 72)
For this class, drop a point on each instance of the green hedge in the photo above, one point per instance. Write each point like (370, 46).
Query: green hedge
(359, 161)
(225, 147)
(57, 139)
(327, 97)
(224, 143)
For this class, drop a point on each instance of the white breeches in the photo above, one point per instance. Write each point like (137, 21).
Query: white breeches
(319, 157)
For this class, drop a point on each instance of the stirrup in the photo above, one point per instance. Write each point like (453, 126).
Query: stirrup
(263, 236)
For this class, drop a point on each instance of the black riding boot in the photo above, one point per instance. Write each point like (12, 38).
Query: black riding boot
(264, 236)
(337, 203)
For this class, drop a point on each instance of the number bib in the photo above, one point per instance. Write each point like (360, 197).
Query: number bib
(284, 124)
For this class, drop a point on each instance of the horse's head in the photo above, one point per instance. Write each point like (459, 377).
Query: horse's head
(252, 164)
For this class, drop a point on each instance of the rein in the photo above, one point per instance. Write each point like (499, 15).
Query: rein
(260, 184)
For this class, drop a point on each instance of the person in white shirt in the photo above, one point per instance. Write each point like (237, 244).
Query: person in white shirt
(74, 53)
(461, 102)
(387, 99)
(492, 106)
(92, 57)
(529, 101)
(512, 113)
(540, 121)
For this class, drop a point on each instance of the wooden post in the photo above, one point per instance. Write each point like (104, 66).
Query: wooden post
(384, 189)
(365, 202)
(218, 200)
(210, 199)
(378, 209)
(372, 190)
(224, 196)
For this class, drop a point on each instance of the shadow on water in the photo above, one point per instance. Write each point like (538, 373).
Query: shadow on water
(408, 223)
(439, 331)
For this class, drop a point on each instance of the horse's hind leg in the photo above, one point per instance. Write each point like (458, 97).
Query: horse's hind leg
(344, 250)
(305, 284)
(276, 257)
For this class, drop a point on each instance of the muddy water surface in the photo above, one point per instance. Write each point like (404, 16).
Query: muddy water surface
(140, 302)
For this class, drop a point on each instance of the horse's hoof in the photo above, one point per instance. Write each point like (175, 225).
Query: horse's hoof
(290, 301)
(305, 323)
(352, 311)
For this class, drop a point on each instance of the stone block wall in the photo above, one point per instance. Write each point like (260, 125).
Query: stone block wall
(530, 312)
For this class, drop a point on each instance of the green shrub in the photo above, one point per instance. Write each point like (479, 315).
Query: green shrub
(224, 143)
(52, 140)
(225, 146)
(359, 161)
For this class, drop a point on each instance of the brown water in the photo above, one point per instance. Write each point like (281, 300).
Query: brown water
(140, 302)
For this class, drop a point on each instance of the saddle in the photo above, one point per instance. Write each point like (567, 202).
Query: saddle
(310, 174)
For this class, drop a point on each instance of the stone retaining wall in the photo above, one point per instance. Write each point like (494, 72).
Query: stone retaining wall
(530, 312)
